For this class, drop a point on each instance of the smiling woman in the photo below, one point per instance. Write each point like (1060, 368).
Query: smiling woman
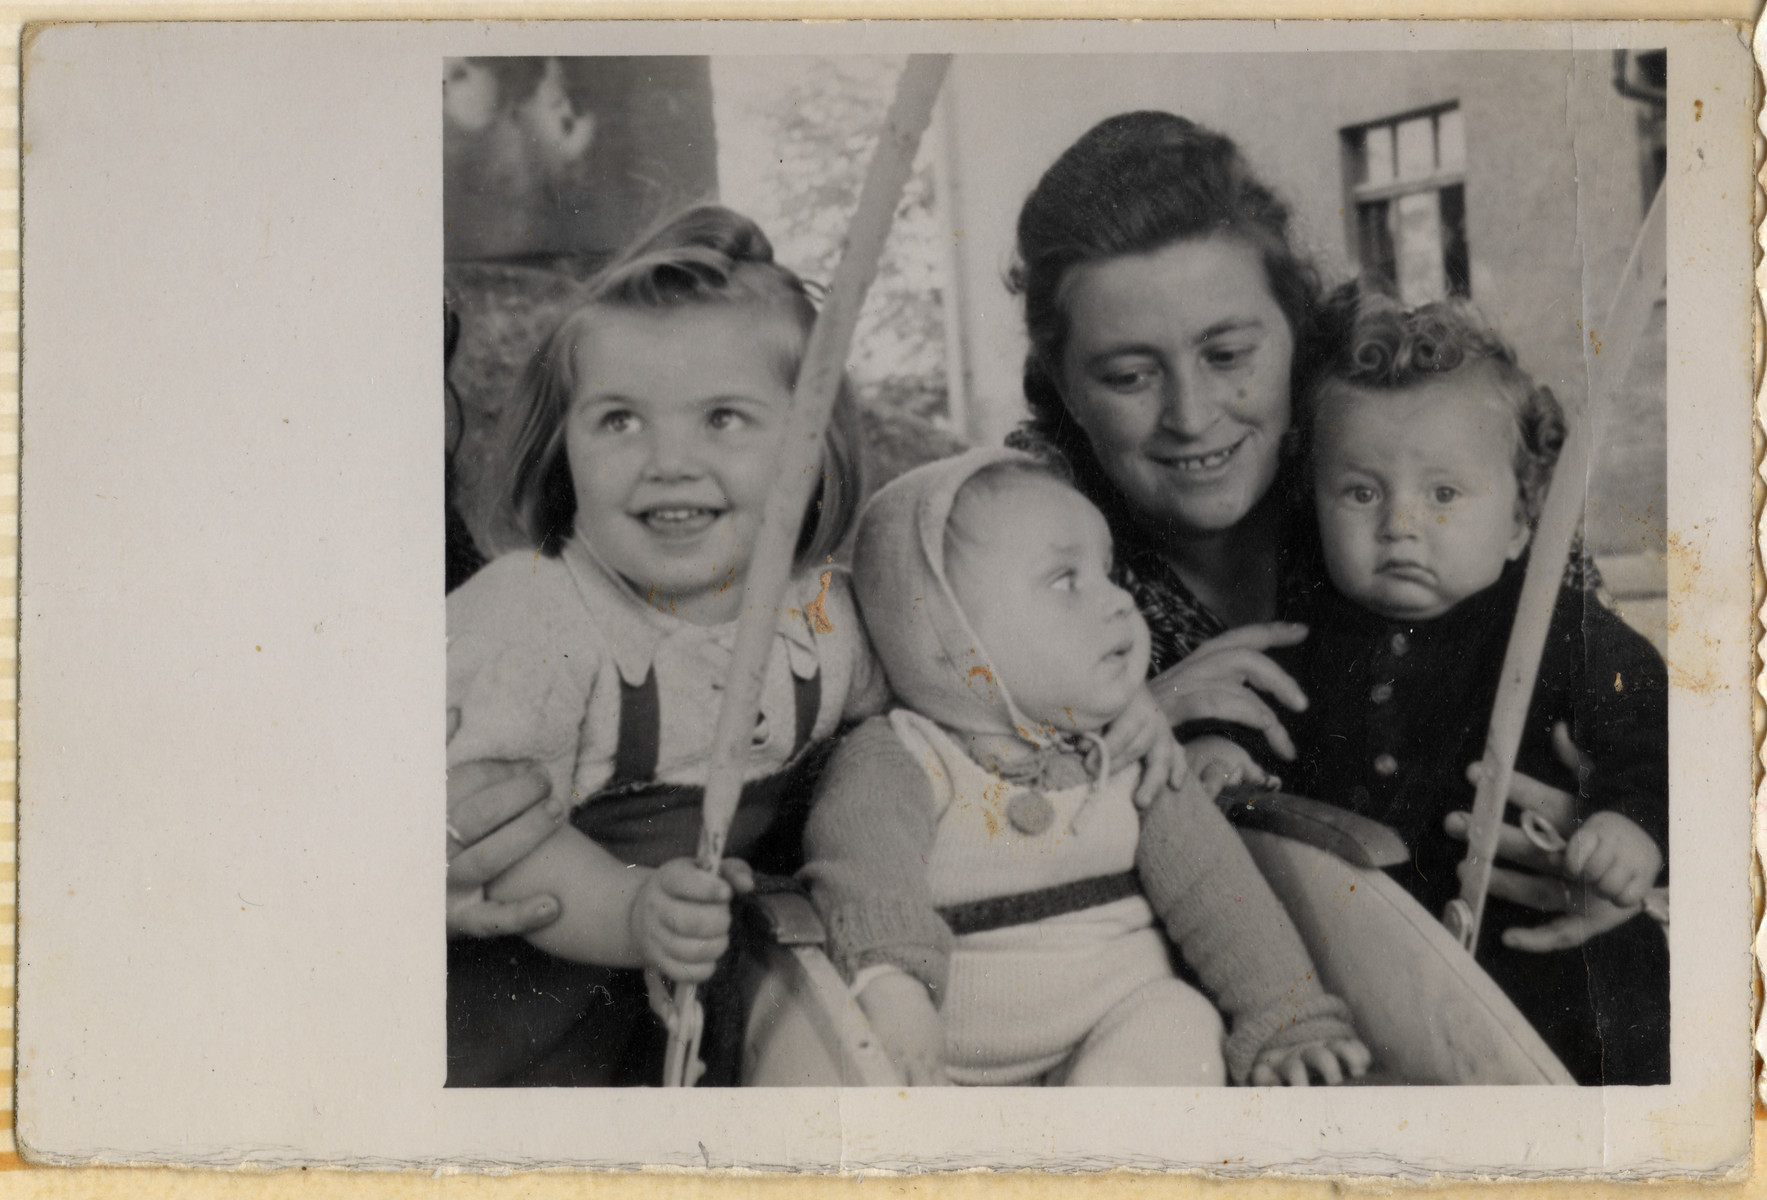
(1176, 368)
(1170, 320)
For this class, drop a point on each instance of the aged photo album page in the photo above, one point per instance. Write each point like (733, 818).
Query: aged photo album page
(911, 568)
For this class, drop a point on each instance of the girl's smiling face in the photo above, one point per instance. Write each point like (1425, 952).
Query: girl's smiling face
(671, 439)
(1176, 366)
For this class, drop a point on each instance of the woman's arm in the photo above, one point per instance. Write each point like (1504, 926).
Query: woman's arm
(498, 812)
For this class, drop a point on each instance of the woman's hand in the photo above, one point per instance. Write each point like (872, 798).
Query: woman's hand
(680, 918)
(1142, 734)
(498, 812)
(1330, 1060)
(1549, 877)
(1215, 682)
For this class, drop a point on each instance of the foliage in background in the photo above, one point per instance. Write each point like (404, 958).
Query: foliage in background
(794, 138)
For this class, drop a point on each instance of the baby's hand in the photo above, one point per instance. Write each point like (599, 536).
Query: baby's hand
(1615, 857)
(680, 918)
(1220, 762)
(905, 1021)
(1329, 1060)
(1140, 734)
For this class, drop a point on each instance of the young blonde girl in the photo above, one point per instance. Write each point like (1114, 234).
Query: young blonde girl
(598, 647)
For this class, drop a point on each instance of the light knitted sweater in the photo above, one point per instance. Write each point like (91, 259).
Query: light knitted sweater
(876, 867)
(538, 648)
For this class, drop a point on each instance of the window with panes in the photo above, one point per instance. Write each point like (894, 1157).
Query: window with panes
(1407, 178)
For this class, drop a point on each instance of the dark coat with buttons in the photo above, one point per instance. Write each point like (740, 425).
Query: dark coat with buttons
(1397, 712)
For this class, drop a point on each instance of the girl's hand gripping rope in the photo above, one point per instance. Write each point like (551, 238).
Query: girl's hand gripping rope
(680, 918)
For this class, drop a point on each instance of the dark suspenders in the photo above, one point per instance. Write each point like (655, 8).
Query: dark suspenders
(635, 756)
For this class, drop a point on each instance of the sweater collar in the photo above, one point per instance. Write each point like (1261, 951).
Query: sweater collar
(634, 629)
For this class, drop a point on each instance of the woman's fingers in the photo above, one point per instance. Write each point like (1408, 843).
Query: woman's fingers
(479, 917)
(489, 857)
(1277, 735)
(1543, 892)
(1513, 846)
(1561, 934)
(1558, 807)
(485, 795)
(1242, 707)
(1263, 673)
(1264, 1076)
(1261, 635)
(1294, 1071)
(1567, 931)
(1237, 667)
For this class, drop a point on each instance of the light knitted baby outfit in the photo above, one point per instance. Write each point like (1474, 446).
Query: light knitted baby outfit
(910, 835)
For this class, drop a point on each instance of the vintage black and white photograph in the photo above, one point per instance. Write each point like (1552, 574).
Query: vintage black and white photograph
(1204, 563)
(1140, 664)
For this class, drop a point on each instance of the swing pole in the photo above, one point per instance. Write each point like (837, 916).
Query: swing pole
(1619, 337)
(797, 472)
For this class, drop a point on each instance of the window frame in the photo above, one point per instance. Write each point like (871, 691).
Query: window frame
(1353, 143)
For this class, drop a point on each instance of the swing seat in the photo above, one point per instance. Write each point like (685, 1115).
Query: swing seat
(1426, 1010)
(804, 1027)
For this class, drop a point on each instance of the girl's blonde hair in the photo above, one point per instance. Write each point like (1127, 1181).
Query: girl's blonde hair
(704, 256)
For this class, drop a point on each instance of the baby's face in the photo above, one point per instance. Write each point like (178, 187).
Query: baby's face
(1034, 581)
(1416, 493)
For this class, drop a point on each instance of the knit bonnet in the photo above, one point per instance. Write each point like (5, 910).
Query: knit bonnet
(935, 663)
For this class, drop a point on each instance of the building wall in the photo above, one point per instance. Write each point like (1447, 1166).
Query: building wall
(1554, 198)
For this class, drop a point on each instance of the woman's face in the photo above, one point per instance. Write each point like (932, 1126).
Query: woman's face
(1177, 369)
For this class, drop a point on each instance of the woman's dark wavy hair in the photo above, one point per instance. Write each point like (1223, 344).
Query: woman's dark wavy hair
(1386, 347)
(705, 255)
(1134, 184)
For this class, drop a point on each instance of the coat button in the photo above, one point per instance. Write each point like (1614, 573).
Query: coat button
(1030, 813)
(1385, 765)
(1381, 693)
(1399, 645)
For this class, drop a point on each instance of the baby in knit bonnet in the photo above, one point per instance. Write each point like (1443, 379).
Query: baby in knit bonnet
(992, 890)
